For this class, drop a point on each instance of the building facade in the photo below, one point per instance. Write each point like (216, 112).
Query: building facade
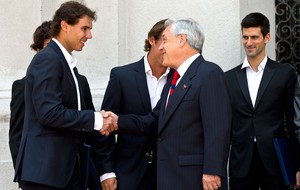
(118, 39)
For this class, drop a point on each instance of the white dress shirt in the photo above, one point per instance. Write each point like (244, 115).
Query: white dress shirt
(155, 86)
(254, 77)
(72, 61)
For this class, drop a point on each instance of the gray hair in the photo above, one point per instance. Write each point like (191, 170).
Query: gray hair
(189, 27)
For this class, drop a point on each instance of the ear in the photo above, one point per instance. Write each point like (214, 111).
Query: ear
(182, 39)
(151, 40)
(267, 38)
(64, 25)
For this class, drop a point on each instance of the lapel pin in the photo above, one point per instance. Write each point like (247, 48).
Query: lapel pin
(184, 86)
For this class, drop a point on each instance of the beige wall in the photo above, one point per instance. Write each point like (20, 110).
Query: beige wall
(118, 38)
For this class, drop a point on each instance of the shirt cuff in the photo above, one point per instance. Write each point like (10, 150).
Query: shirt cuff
(98, 121)
(107, 175)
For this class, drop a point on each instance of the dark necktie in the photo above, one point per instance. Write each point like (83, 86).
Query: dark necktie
(173, 85)
(80, 93)
(76, 72)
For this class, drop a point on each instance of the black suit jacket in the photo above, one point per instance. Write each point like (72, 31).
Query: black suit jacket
(265, 120)
(297, 108)
(127, 93)
(17, 107)
(193, 133)
(50, 138)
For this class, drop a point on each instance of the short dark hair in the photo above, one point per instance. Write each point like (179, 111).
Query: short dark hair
(256, 20)
(156, 32)
(41, 34)
(70, 12)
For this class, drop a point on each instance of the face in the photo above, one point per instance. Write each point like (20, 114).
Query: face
(156, 53)
(169, 47)
(78, 34)
(253, 41)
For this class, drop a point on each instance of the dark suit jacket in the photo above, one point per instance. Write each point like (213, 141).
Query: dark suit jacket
(193, 133)
(265, 120)
(17, 107)
(297, 108)
(49, 145)
(127, 93)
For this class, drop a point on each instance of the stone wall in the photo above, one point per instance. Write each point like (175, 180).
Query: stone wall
(118, 38)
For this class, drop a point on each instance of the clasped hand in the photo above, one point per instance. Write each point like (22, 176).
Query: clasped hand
(110, 122)
(211, 182)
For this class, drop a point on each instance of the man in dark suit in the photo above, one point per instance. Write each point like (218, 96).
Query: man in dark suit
(297, 121)
(262, 92)
(297, 106)
(135, 89)
(193, 123)
(41, 38)
(18, 112)
(17, 107)
(55, 113)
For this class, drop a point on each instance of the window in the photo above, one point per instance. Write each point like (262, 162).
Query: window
(288, 32)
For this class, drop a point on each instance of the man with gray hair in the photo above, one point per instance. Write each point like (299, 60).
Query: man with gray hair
(192, 119)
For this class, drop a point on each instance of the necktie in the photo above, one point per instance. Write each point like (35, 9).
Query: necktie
(173, 84)
(76, 72)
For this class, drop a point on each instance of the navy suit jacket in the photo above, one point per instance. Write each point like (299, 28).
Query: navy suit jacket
(127, 93)
(193, 133)
(17, 107)
(265, 120)
(52, 124)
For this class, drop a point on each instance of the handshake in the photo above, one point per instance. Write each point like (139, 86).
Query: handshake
(110, 122)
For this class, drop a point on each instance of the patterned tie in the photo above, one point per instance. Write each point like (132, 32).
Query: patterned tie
(173, 84)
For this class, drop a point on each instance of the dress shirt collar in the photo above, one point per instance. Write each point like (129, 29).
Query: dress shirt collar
(185, 65)
(261, 66)
(72, 61)
(148, 68)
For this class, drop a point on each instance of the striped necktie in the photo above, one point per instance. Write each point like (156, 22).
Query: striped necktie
(173, 83)
(175, 77)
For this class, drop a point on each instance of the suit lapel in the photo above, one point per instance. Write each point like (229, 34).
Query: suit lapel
(67, 71)
(141, 84)
(266, 78)
(55, 47)
(164, 93)
(180, 91)
(242, 80)
(174, 101)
